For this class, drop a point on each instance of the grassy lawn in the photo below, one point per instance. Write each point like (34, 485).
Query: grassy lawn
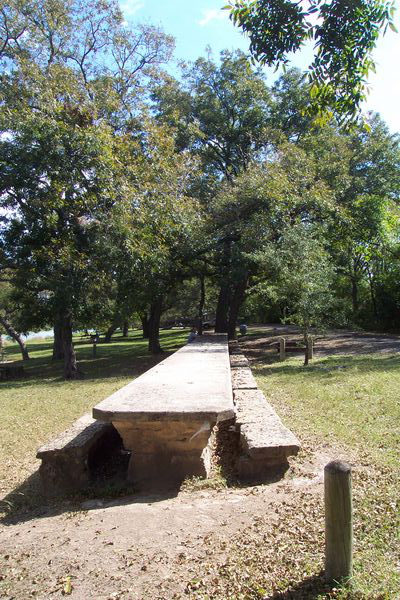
(352, 404)
(42, 404)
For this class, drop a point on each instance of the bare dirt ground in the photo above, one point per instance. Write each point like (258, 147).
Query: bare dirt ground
(152, 547)
(334, 342)
(193, 543)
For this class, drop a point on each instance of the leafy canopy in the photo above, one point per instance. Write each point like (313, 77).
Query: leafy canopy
(344, 34)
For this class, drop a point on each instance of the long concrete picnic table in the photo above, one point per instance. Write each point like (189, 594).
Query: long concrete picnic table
(166, 415)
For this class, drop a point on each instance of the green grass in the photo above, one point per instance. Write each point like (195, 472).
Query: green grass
(42, 404)
(352, 403)
(353, 399)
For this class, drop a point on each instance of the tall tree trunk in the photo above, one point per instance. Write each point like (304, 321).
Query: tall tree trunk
(125, 329)
(58, 345)
(71, 370)
(154, 326)
(235, 304)
(354, 295)
(221, 316)
(145, 325)
(372, 293)
(224, 297)
(201, 305)
(109, 333)
(15, 336)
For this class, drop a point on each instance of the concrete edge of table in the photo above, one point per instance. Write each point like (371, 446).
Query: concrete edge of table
(193, 384)
(119, 415)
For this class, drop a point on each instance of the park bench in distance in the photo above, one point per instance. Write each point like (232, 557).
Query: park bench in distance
(165, 416)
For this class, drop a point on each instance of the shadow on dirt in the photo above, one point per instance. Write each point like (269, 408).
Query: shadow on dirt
(316, 586)
(108, 487)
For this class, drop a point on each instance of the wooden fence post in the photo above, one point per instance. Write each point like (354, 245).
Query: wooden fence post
(338, 521)
(282, 348)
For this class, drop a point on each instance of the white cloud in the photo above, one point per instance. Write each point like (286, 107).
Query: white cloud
(130, 7)
(213, 14)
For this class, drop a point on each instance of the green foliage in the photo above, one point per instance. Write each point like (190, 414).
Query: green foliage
(344, 35)
(302, 276)
(223, 110)
(73, 81)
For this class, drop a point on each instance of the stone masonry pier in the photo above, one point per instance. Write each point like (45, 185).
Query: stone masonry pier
(165, 416)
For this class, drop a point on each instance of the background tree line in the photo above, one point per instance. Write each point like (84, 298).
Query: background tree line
(128, 193)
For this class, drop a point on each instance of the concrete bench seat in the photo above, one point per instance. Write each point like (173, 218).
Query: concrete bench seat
(238, 360)
(243, 379)
(265, 443)
(66, 460)
(166, 415)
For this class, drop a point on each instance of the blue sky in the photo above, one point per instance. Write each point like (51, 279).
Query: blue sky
(201, 23)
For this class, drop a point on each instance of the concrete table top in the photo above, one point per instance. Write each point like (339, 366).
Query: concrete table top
(191, 385)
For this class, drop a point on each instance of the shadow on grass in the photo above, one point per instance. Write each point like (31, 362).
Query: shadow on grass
(308, 589)
(328, 367)
(121, 357)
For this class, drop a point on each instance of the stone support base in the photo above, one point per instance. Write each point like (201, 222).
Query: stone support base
(165, 452)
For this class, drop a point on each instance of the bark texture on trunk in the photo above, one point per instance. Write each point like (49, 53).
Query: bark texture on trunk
(201, 305)
(125, 329)
(372, 294)
(354, 295)
(154, 326)
(224, 297)
(235, 304)
(15, 336)
(58, 345)
(109, 333)
(145, 325)
(221, 316)
(71, 370)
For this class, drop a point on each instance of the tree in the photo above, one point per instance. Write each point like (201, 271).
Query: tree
(70, 88)
(10, 315)
(160, 221)
(362, 169)
(231, 105)
(290, 97)
(344, 35)
(301, 274)
(253, 211)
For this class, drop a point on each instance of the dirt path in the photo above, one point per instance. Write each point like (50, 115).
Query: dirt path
(334, 342)
(143, 547)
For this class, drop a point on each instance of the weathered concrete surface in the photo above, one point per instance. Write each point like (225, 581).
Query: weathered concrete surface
(193, 384)
(242, 379)
(239, 360)
(265, 443)
(65, 459)
(166, 415)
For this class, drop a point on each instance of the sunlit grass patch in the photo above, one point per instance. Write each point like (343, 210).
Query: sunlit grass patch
(352, 402)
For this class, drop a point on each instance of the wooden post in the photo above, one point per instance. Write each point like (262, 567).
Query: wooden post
(94, 350)
(338, 521)
(282, 348)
